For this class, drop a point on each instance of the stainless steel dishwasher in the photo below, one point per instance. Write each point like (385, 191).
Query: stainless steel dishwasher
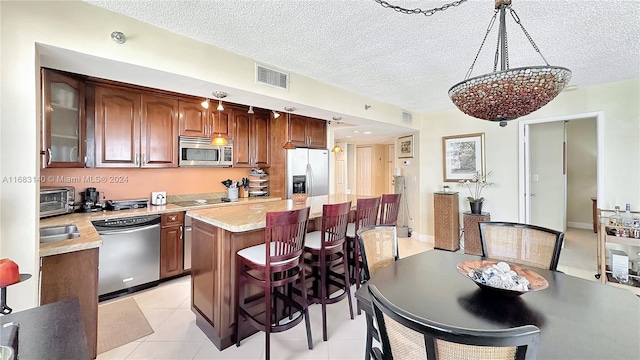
(130, 253)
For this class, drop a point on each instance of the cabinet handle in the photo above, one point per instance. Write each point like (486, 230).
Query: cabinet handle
(136, 158)
(144, 159)
(180, 232)
(172, 218)
(49, 161)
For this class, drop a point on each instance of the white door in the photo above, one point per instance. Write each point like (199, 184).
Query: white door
(363, 170)
(340, 170)
(546, 176)
(391, 168)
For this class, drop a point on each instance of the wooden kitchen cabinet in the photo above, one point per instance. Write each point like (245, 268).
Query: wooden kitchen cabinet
(135, 129)
(159, 131)
(194, 119)
(74, 274)
(307, 132)
(63, 125)
(222, 122)
(251, 139)
(171, 245)
(117, 129)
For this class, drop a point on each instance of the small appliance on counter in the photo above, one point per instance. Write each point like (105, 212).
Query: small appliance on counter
(159, 198)
(91, 200)
(127, 204)
(56, 200)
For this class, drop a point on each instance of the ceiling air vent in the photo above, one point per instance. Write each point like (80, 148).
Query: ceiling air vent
(272, 77)
(407, 117)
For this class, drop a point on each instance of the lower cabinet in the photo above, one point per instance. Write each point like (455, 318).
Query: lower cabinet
(171, 245)
(74, 274)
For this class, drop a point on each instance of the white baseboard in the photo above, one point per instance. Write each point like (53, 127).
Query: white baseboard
(579, 225)
(423, 238)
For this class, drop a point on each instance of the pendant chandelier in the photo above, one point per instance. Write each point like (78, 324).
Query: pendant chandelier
(503, 94)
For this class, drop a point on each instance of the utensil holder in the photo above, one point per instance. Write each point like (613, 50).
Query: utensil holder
(233, 194)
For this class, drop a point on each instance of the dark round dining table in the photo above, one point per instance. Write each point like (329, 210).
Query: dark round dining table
(578, 318)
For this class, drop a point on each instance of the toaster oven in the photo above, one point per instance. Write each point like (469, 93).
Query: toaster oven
(56, 200)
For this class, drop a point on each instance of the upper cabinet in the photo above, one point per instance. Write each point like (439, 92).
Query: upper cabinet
(197, 121)
(251, 139)
(135, 129)
(194, 119)
(63, 126)
(307, 132)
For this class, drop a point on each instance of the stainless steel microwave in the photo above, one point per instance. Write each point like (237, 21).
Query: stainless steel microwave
(56, 200)
(195, 151)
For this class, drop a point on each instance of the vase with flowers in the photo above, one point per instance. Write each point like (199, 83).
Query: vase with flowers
(475, 186)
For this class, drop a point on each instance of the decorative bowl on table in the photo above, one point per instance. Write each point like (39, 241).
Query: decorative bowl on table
(502, 278)
(299, 198)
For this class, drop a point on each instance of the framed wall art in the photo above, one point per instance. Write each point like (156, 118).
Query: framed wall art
(463, 156)
(405, 146)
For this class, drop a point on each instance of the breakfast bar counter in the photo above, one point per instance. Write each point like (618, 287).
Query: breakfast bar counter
(218, 233)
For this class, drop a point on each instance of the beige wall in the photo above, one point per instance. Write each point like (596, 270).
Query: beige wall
(581, 171)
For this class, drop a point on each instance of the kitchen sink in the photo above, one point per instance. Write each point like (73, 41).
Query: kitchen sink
(61, 232)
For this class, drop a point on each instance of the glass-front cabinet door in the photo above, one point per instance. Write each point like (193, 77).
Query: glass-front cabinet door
(63, 126)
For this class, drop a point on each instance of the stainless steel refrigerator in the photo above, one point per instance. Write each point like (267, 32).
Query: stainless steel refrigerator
(310, 169)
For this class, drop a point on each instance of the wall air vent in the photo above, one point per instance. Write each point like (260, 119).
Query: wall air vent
(407, 117)
(271, 77)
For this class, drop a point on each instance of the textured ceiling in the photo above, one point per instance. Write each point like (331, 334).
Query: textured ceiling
(406, 60)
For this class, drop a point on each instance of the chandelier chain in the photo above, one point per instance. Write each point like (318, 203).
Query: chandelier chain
(493, 20)
(418, 10)
(516, 18)
(505, 54)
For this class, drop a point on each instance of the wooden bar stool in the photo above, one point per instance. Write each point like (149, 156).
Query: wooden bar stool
(275, 264)
(366, 215)
(389, 208)
(326, 250)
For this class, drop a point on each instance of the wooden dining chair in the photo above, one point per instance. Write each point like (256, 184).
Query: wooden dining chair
(326, 253)
(523, 244)
(366, 215)
(277, 263)
(389, 208)
(378, 248)
(407, 336)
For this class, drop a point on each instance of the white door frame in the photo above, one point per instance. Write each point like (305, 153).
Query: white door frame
(524, 185)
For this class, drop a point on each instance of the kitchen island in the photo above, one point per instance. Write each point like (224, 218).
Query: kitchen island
(218, 233)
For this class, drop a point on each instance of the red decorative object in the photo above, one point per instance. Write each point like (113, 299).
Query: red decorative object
(9, 273)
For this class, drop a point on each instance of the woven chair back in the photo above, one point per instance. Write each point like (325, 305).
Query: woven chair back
(335, 218)
(389, 208)
(367, 212)
(379, 247)
(406, 336)
(521, 243)
(284, 235)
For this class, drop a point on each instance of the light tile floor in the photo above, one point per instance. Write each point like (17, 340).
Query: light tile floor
(176, 336)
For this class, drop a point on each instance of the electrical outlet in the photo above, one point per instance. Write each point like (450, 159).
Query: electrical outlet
(534, 177)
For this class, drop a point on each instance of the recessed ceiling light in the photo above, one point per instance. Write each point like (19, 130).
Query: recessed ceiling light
(367, 132)
(356, 132)
(348, 136)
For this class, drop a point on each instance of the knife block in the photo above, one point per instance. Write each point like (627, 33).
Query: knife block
(242, 193)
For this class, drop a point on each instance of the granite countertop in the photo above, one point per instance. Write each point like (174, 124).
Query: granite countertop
(89, 237)
(253, 216)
